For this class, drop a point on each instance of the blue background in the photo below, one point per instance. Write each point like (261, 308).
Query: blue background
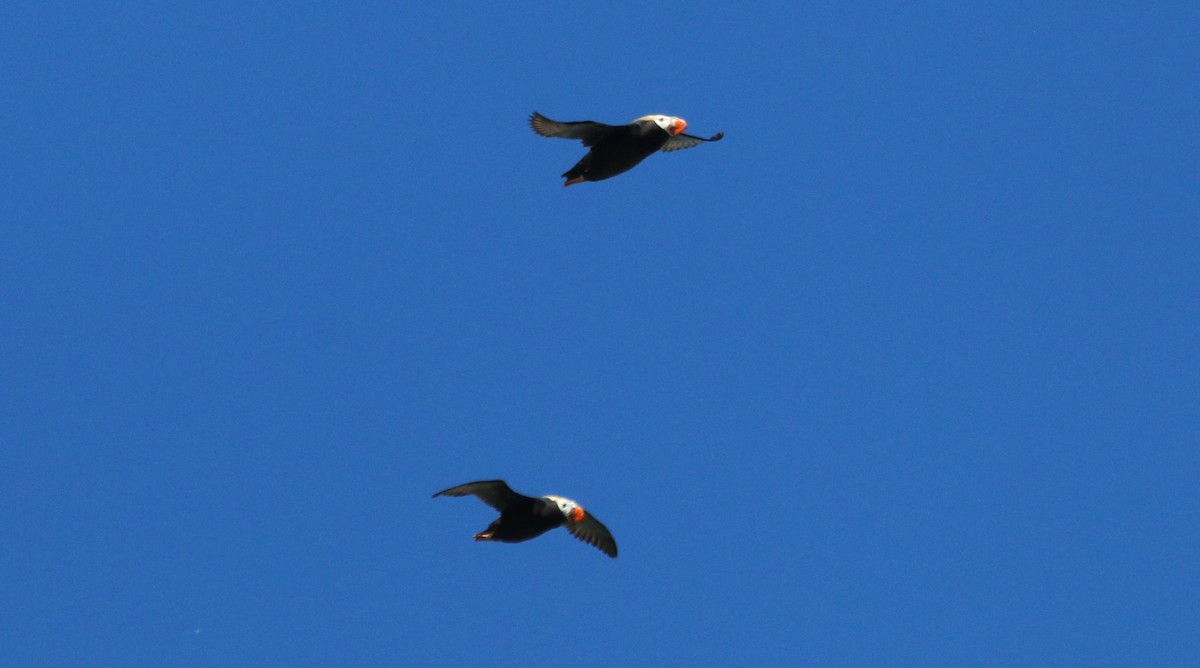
(902, 372)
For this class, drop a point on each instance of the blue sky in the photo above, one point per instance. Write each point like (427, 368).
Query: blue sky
(902, 372)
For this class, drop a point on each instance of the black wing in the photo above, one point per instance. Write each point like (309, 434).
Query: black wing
(680, 142)
(495, 493)
(588, 131)
(592, 532)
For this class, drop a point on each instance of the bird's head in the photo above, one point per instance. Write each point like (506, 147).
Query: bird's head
(570, 510)
(671, 124)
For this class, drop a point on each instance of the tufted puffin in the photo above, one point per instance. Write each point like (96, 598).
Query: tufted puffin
(617, 148)
(525, 517)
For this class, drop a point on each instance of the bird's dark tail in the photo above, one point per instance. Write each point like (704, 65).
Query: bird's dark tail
(575, 174)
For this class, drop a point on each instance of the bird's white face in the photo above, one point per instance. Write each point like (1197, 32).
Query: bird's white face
(567, 507)
(671, 124)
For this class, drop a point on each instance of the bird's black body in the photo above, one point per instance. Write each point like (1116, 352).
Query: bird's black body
(525, 517)
(619, 151)
(616, 149)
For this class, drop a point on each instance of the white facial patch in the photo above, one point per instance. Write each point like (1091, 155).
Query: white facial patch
(565, 506)
(661, 120)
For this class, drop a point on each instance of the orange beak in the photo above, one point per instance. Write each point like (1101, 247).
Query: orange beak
(679, 126)
(577, 515)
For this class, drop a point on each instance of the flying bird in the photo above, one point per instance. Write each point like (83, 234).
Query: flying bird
(617, 148)
(525, 517)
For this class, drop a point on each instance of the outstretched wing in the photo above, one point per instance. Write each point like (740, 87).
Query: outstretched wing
(681, 141)
(495, 493)
(588, 131)
(591, 531)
